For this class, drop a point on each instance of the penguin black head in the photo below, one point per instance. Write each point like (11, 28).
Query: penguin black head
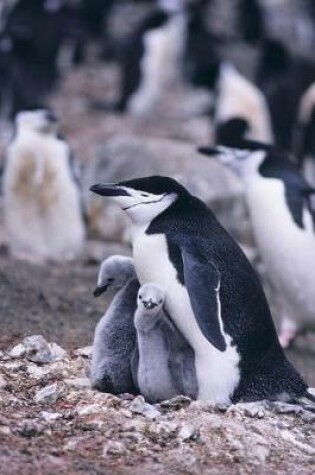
(243, 157)
(143, 198)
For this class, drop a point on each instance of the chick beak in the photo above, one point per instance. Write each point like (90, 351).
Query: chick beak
(149, 304)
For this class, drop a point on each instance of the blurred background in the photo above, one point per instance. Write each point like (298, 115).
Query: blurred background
(136, 86)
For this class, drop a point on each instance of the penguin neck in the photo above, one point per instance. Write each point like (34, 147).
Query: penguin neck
(176, 217)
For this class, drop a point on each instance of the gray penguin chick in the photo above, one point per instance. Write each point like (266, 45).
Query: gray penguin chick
(115, 336)
(163, 363)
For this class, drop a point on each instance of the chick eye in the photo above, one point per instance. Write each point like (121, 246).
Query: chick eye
(140, 297)
(110, 279)
(160, 301)
(146, 195)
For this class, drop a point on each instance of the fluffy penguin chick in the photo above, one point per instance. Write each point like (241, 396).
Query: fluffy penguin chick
(42, 201)
(283, 222)
(115, 336)
(163, 363)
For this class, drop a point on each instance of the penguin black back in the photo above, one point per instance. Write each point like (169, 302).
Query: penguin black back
(245, 312)
(132, 55)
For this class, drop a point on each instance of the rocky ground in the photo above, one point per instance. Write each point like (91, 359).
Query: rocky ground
(52, 422)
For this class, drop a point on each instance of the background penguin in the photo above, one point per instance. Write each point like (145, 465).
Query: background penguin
(149, 62)
(38, 30)
(115, 335)
(42, 200)
(239, 99)
(212, 292)
(235, 98)
(283, 221)
(163, 363)
(304, 139)
(283, 78)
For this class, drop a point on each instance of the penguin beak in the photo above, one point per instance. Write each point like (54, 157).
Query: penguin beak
(149, 304)
(110, 189)
(209, 151)
(100, 290)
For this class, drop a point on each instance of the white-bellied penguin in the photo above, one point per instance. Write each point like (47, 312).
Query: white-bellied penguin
(279, 203)
(213, 295)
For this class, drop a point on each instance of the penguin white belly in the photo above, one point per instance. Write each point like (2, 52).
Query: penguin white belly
(238, 97)
(287, 250)
(42, 204)
(217, 372)
(154, 376)
(159, 65)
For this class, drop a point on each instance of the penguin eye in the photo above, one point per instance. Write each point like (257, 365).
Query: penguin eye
(160, 301)
(146, 195)
(140, 297)
(110, 279)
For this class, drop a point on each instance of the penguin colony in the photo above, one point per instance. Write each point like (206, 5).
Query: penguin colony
(189, 315)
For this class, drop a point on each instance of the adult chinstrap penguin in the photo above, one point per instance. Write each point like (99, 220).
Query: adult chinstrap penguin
(213, 295)
(279, 202)
(149, 62)
(42, 200)
(163, 364)
(115, 335)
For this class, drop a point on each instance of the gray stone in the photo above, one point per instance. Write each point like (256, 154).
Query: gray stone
(176, 403)
(59, 352)
(37, 372)
(85, 352)
(79, 383)
(164, 428)
(50, 416)
(88, 409)
(3, 382)
(30, 428)
(139, 406)
(260, 452)
(17, 351)
(187, 432)
(114, 448)
(36, 349)
(47, 395)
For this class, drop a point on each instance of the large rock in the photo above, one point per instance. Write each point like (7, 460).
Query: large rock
(127, 157)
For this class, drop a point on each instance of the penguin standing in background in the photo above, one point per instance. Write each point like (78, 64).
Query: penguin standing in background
(42, 199)
(213, 295)
(240, 101)
(163, 364)
(283, 222)
(150, 61)
(304, 138)
(283, 78)
(239, 107)
(115, 335)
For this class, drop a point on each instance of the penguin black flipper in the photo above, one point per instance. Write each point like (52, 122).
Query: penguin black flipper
(202, 280)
